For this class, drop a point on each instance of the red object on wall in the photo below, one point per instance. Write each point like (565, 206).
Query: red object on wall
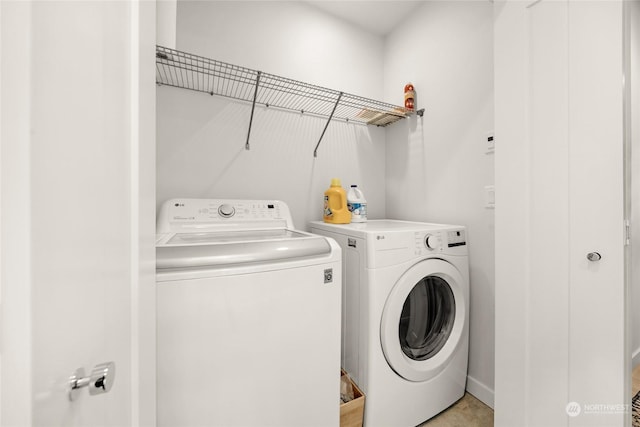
(409, 96)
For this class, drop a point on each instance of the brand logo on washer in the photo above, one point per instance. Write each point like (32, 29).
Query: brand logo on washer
(380, 237)
(328, 275)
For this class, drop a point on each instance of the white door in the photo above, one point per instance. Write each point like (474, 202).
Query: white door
(562, 356)
(77, 210)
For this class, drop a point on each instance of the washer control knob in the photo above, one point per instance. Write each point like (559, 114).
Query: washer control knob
(431, 241)
(226, 210)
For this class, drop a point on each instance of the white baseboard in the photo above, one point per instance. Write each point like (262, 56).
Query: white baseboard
(635, 358)
(482, 392)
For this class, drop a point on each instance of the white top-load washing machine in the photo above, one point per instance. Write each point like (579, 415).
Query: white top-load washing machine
(248, 317)
(405, 316)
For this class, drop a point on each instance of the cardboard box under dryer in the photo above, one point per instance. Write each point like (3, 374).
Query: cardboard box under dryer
(352, 412)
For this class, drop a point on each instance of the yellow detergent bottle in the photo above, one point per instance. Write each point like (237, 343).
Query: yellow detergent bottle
(335, 204)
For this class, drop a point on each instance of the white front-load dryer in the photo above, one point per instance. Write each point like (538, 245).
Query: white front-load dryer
(405, 316)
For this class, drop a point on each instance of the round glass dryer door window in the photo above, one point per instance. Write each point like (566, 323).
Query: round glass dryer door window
(424, 319)
(427, 318)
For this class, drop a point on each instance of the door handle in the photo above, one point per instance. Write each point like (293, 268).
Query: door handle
(594, 256)
(100, 381)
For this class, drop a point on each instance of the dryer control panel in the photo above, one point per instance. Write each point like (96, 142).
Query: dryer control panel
(456, 238)
(440, 241)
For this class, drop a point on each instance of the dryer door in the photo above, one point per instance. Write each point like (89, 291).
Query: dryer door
(424, 319)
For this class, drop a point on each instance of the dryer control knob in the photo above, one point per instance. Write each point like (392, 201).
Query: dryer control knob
(431, 241)
(226, 210)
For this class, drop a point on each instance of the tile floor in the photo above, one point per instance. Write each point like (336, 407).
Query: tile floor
(466, 412)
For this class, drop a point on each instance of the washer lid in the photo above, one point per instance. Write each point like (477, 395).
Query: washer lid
(423, 320)
(187, 250)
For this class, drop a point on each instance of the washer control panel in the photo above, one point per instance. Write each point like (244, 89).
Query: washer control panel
(192, 213)
(226, 210)
(203, 211)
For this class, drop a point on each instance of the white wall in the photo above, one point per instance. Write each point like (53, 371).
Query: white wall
(200, 144)
(437, 166)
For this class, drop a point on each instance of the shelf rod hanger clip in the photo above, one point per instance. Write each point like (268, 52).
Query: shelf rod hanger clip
(315, 151)
(253, 107)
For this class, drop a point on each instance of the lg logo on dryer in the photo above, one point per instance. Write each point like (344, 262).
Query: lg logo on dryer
(380, 237)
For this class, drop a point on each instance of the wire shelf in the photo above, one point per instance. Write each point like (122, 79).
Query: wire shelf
(188, 71)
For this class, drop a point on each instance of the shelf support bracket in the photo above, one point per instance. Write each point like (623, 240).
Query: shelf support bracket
(253, 107)
(315, 151)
